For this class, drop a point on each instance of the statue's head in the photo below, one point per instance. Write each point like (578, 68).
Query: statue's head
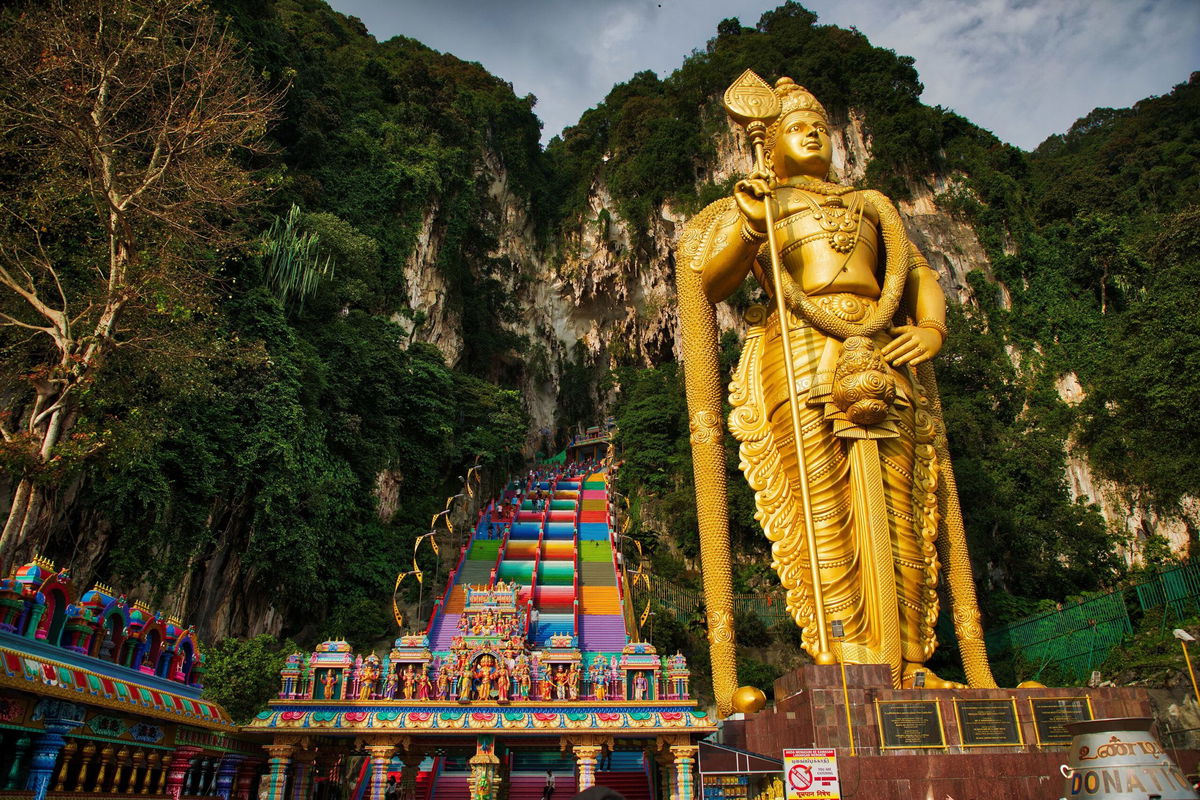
(798, 141)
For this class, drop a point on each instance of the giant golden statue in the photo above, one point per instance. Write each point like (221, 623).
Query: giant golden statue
(862, 509)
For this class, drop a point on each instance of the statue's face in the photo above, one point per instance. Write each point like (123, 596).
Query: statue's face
(803, 146)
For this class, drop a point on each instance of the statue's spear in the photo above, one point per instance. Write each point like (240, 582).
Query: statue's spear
(751, 103)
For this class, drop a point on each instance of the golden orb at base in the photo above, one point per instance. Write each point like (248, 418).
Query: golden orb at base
(748, 699)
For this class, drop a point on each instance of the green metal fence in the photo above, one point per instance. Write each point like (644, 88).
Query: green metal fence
(1075, 638)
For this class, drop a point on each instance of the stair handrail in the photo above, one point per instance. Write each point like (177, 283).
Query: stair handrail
(533, 577)
(575, 565)
(500, 553)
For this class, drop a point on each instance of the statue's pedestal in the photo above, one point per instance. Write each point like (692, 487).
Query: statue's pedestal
(967, 762)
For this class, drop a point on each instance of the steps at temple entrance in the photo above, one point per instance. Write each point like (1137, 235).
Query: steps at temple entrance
(529, 787)
(631, 785)
(424, 785)
(597, 574)
(602, 632)
(542, 760)
(553, 625)
(556, 573)
(558, 551)
(596, 552)
(452, 787)
(599, 600)
(444, 630)
(484, 550)
(555, 599)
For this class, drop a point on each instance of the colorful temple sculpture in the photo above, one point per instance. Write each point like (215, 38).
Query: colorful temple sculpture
(526, 665)
(592, 444)
(101, 696)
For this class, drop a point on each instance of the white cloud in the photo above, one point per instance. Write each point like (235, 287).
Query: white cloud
(1022, 68)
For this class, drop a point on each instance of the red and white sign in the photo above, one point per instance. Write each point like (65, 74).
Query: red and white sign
(811, 775)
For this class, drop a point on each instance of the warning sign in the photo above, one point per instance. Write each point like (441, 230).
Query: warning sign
(811, 775)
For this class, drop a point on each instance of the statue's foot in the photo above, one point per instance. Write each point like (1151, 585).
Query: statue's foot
(932, 681)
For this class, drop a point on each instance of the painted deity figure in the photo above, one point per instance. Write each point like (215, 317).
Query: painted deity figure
(367, 674)
(442, 687)
(573, 683)
(599, 681)
(503, 682)
(485, 673)
(409, 681)
(865, 315)
(640, 685)
(560, 683)
(424, 687)
(330, 683)
(523, 680)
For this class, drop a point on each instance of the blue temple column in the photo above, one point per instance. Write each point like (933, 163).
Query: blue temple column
(58, 717)
(227, 773)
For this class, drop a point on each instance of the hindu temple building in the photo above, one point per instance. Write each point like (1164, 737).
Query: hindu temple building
(529, 664)
(102, 696)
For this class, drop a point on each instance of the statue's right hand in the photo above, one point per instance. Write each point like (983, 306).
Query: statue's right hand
(750, 195)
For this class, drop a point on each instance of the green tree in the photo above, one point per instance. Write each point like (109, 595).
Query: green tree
(243, 674)
(123, 126)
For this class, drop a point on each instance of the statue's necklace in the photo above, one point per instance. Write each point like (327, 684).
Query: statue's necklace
(841, 223)
(818, 186)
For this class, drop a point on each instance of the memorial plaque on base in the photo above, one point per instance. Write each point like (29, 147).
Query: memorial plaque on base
(1052, 714)
(910, 724)
(988, 723)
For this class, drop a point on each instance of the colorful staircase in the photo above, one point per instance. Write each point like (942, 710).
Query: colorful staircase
(559, 548)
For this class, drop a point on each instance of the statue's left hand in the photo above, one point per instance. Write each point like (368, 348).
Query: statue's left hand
(912, 345)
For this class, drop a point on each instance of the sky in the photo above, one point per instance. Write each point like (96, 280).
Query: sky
(1023, 69)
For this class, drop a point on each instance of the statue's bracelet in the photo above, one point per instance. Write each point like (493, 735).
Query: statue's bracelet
(750, 235)
(936, 325)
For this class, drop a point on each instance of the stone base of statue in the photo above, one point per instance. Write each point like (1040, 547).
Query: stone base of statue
(999, 744)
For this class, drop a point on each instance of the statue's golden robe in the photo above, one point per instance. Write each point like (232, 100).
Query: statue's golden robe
(858, 575)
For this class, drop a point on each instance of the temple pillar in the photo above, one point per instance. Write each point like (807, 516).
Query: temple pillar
(139, 773)
(194, 776)
(122, 769)
(281, 756)
(153, 762)
(176, 772)
(20, 748)
(227, 774)
(302, 772)
(247, 772)
(85, 763)
(380, 755)
(167, 758)
(408, 776)
(35, 619)
(685, 764)
(68, 752)
(665, 783)
(58, 717)
(43, 758)
(585, 764)
(484, 766)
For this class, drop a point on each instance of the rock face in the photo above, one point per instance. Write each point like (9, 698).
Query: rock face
(1123, 509)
